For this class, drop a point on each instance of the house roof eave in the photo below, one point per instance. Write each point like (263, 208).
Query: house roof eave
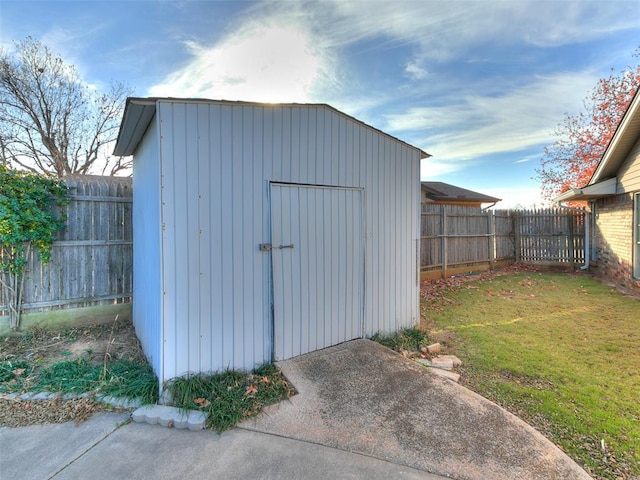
(605, 188)
(621, 143)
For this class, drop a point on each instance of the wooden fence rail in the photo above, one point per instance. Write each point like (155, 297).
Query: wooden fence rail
(455, 238)
(92, 258)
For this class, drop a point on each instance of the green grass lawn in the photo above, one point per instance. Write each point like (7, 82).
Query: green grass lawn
(561, 351)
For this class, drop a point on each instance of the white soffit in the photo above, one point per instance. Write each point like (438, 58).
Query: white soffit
(605, 188)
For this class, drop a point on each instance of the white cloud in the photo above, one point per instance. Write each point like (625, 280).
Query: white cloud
(432, 168)
(267, 61)
(416, 71)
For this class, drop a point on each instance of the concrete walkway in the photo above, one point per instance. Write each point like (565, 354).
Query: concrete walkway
(363, 398)
(103, 449)
(362, 411)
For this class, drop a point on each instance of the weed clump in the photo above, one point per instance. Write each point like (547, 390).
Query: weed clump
(230, 396)
(410, 339)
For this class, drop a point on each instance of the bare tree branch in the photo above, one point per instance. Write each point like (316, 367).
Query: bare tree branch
(51, 122)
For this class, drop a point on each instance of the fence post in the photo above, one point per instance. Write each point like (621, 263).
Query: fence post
(491, 230)
(443, 233)
(571, 240)
(516, 230)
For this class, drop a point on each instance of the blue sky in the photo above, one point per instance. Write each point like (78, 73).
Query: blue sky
(480, 85)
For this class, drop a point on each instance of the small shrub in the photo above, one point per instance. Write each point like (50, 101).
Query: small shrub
(406, 339)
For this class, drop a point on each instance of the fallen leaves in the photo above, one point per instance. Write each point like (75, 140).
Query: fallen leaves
(18, 413)
(251, 390)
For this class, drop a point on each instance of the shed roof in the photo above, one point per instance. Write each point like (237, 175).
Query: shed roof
(440, 191)
(139, 112)
(603, 180)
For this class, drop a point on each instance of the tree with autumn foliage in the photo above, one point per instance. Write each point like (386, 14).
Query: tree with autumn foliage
(583, 138)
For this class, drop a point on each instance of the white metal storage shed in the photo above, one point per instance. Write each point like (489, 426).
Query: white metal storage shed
(262, 231)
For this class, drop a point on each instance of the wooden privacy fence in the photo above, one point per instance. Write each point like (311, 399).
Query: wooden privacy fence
(92, 258)
(456, 238)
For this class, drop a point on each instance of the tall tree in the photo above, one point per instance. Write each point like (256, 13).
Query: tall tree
(582, 139)
(51, 121)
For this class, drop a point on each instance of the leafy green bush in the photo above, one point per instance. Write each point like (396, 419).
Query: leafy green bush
(30, 207)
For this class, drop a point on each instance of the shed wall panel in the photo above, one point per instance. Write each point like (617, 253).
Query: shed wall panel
(206, 195)
(147, 259)
(217, 161)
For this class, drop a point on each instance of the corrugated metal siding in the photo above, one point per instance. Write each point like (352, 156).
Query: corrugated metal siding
(147, 261)
(629, 173)
(217, 162)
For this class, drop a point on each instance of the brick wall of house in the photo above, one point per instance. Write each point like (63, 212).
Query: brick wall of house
(614, 240)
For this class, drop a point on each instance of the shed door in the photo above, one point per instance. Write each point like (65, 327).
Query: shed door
(318, 267)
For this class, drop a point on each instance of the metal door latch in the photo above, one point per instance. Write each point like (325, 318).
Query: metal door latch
(265, 247)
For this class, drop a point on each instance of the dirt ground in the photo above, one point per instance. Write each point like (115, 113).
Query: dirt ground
(113, 341)
(97, 343)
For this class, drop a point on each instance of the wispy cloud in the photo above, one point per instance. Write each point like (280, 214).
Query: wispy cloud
(528, 158)
(477, 125)
(443, 29)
